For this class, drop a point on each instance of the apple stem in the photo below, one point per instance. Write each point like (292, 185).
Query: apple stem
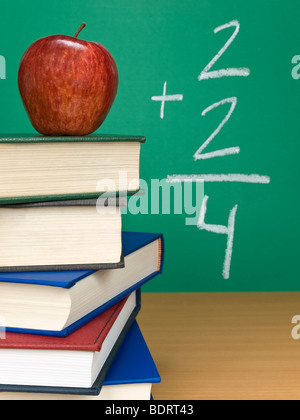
(79, 30)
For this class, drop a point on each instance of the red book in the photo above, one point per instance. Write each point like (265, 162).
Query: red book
(73, 361)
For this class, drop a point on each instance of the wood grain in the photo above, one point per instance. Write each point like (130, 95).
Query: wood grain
(223, 346)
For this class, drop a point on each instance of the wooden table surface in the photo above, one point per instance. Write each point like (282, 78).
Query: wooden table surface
(223, 346)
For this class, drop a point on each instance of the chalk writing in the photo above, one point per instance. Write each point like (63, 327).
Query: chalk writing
(223, 230)
(166, 98)
(230, 151)
(229, 72)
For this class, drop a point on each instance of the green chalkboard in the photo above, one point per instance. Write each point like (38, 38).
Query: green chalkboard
(229, 74)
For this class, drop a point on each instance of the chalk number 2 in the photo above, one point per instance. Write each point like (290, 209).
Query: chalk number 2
(230, 72)
(229, 151)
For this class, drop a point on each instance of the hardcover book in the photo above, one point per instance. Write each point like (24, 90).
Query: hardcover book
(59, 302)
(37, 168)
(80, 358)
(66, 235)
(130, 377)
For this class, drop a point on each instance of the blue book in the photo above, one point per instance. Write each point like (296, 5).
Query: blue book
(57, 303)
(130, 377)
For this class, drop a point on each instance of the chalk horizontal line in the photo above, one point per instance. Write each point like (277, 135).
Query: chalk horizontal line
(248, 179)
(167, 98)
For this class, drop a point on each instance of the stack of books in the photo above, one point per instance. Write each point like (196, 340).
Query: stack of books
(70, 278)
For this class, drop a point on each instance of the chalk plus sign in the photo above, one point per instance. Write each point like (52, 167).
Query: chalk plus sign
(166, 98)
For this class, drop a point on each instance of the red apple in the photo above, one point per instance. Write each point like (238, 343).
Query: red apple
(67, 85)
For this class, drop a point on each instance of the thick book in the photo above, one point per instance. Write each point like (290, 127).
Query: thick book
(58, 303)
(130, 377)
(64, 235)
(37, 168)
(81, 359)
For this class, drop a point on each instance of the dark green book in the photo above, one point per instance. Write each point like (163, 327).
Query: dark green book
(36, 168)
